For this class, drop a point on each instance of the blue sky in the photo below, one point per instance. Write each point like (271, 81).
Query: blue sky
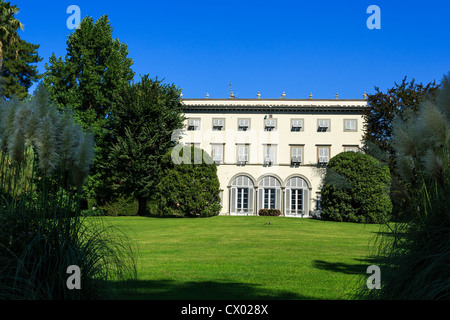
(323, 47)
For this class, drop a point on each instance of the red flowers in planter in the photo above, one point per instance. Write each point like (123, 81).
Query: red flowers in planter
(269, 212)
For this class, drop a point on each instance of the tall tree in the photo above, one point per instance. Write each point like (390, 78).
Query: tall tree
(8, 26)
(142, 123)
(19, 72)
(94, 68)
(397, 103)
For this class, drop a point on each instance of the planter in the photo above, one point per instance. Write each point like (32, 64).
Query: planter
(269, 212)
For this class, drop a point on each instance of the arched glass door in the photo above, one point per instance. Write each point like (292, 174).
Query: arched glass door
(296, 198)
(242, 196)
(269, 193)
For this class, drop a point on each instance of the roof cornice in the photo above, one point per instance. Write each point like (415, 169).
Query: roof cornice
(274, 105)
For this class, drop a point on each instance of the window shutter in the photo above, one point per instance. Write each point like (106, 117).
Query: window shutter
(243, 153)
(218, 153)
(267, 154)
(260, 199)
(324, 154)
(270, 123)
(350, 124)
(296, 154)
(244, 123)
(287, 201)
(194, 122)
(301, 194)
(251, 191)
(305, 202)
(233, 200)
(278, 198)
(271, 154)
(297, 123)
(324, 123)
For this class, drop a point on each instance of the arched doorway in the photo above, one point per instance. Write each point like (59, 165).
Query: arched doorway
(269, 193)
(296, 203)
(242, 196)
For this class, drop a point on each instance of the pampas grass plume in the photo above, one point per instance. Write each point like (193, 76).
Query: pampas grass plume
(46, 146)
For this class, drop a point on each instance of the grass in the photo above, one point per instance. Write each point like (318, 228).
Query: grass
(246, 257)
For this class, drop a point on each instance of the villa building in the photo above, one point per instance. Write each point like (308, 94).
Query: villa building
(269, 151)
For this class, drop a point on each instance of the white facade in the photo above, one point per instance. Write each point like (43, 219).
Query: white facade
(270, 151)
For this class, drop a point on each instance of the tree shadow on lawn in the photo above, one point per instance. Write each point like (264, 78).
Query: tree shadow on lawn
(341, 267)
(204, 290)
(347, 268)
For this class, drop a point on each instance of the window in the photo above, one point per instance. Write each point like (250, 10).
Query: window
(297, 125)
(218, 124)
(242, 154)
(296, 155)
(350, 125)
(323, 125)
(270, 124)
(323, 155)
(243, 124)
(193, 124)
(351, 148)
(217, 153)
(269, 154)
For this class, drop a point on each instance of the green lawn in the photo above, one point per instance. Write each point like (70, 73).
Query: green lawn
(246, 258)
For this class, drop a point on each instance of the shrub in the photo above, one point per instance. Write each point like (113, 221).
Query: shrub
(356, 189)
(188, 189)
(93, 212)
(122, 206)
(269, 212)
